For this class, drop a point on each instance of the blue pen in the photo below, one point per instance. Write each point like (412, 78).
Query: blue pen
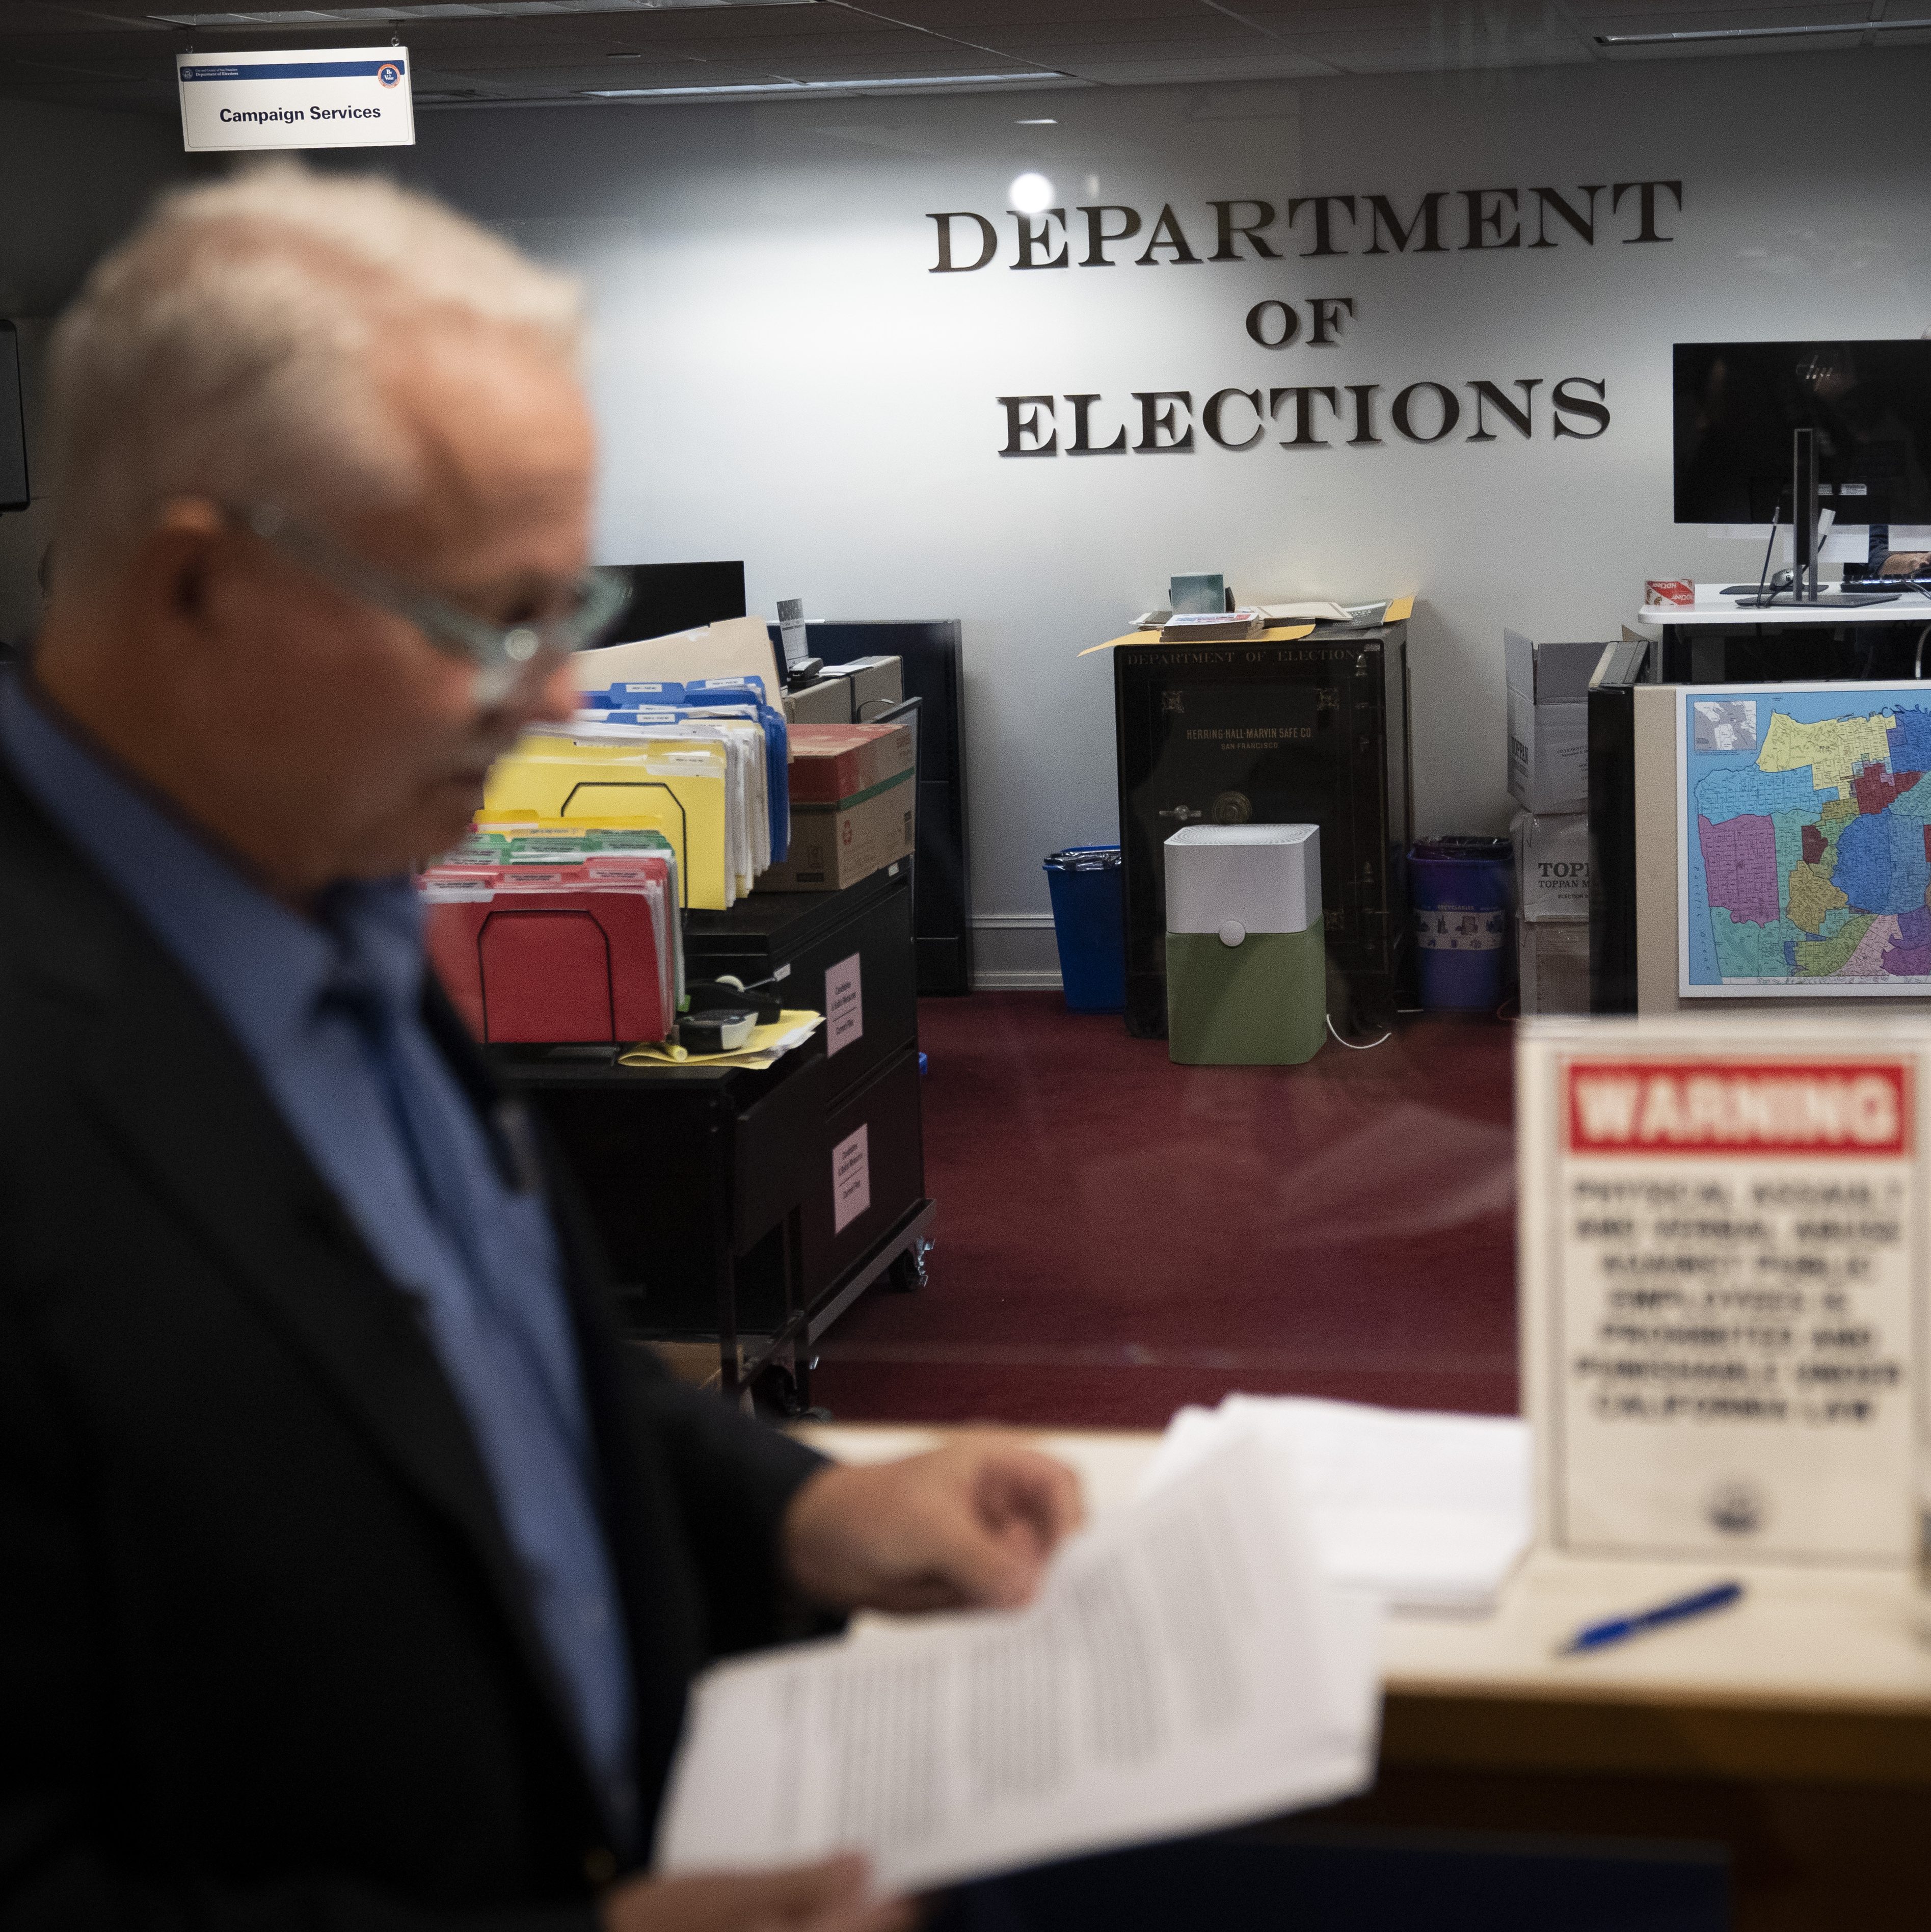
(1598, 1636)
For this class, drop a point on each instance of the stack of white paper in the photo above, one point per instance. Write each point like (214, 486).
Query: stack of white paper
(1428, 1511)
(1186, 1665)
(1314, 610)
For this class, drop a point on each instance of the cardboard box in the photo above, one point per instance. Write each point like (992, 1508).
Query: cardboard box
(852, 802)
(834, 846)
(1549, 754)
(1551, 864)
(827, 702)
(877, 683)
(1549, 674)
(1548, 721)
(834, 764)
(1553, 956)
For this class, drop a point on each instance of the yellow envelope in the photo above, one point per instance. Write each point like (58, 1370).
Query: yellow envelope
(766, 1046)
(1274, 634)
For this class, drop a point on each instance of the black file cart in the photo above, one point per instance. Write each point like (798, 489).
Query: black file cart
(698, 1182)
(850, 955)
(930, 652)
(1310, 730)
(750, 1209)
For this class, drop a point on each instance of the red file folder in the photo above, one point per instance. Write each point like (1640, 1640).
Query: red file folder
(552, 964)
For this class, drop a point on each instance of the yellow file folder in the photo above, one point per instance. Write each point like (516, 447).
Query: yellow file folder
(677, 788)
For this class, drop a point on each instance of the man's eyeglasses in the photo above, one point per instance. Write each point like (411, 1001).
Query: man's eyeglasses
(502, 653)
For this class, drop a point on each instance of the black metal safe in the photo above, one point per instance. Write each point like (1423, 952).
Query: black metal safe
(1314, 730)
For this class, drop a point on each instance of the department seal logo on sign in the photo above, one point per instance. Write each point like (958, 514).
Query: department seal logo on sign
(388, 73)
(1737, 1507)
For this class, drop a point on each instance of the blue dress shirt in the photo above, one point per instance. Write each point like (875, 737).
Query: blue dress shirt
(328, 1010)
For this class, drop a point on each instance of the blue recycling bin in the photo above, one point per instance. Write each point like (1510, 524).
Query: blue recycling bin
(1087, 923)
(1462, 889)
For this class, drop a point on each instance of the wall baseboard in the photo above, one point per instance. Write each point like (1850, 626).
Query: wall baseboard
(1014, 952)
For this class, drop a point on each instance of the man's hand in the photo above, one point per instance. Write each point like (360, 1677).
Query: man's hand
(828, 1897)
(970, 1524)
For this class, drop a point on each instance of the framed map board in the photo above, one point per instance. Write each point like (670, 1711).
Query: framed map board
(1804, 814)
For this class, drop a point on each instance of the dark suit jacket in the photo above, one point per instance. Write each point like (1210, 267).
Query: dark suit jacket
(265, 1659)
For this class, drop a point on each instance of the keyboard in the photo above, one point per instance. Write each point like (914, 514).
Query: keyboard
(1827, 600)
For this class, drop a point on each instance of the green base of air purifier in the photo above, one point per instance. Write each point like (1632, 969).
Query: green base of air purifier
(1263, 1002)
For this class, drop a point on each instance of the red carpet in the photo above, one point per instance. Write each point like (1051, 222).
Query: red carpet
(1117, 1235)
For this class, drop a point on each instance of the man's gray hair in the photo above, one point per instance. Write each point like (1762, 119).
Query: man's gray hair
(226, 350)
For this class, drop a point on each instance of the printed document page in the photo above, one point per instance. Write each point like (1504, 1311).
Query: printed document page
(1186, 1665)
(1429, 1511)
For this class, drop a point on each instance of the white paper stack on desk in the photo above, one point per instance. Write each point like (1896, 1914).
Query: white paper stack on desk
(1186, 1665)
(1431, 1512)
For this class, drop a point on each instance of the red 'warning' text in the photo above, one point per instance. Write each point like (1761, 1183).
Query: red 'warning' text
(1738, 1107)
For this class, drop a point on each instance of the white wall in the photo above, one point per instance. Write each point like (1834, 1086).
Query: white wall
(781, 377)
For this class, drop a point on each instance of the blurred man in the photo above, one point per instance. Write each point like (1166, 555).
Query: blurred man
(354, 1572)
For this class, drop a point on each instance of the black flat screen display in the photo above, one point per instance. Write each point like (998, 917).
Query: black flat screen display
(668, 597)
(1737, 403)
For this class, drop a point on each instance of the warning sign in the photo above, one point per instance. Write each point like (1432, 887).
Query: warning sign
(1723, 1262)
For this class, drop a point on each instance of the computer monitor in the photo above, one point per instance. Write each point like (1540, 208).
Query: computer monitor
(668, 597)
(1867, 404)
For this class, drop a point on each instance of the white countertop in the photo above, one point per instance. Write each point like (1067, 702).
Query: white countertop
(1711, 608)
(1819, 1640)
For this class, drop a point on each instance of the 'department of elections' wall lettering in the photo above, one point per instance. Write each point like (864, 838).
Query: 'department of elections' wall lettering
(1428, 408)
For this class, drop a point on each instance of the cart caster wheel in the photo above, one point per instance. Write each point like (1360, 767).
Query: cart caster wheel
(907, 1274)
(774, 1397)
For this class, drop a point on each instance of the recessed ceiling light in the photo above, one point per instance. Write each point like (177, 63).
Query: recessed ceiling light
(738, 90)
(1757, 33)
(1030, 194)
(1047, 123)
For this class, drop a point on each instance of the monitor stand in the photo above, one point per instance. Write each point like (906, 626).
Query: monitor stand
(1820, 600)
(1807, 547)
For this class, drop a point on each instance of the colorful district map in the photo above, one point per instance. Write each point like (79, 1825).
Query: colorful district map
(1807, 840)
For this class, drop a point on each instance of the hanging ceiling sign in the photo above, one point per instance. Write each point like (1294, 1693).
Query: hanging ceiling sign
(328, 97)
